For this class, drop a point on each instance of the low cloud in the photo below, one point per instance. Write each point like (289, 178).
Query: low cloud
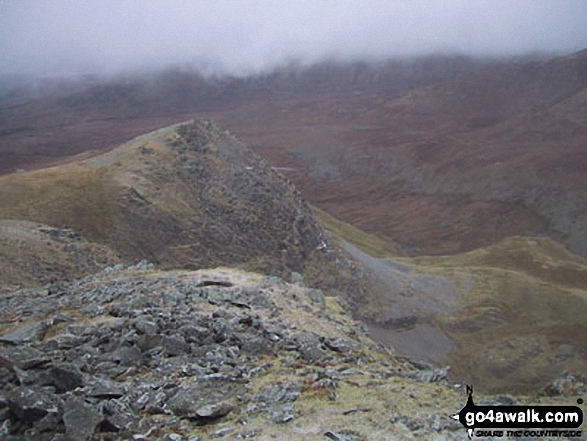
(245, 36)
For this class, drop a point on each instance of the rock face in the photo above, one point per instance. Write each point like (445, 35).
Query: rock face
(133, 353)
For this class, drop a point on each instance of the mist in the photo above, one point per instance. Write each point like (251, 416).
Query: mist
(60, 37)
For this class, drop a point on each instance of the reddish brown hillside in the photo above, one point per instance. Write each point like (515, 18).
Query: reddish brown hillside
(440, 154)
(446, 168)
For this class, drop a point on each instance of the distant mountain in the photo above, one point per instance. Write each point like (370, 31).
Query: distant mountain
(501, 151)
(60, 117)
(439, 154)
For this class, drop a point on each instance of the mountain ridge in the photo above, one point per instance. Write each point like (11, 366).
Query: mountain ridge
(187, 196)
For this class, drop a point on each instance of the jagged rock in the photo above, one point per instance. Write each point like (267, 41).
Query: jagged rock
(340, 345)
(279, 394)
(63, 378)
(281, 414)
(118, 416)
(24, 357)
(252, 344)
(26, 334)
(428, 374)
(80, 418)
(128, 356)
(310, 348)
(203, 365)
(104, 389)
(144, 326)
(30, 404)
(174, 345)
(52, 422)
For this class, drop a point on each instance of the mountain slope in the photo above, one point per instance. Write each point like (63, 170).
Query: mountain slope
(183, 197)
(521, 317)
(35, 254)
(447, 168)
(508, 317)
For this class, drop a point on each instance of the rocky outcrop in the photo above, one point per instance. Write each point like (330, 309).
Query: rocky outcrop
(132, 353)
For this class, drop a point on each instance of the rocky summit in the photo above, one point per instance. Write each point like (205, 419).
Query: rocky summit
(136, 353)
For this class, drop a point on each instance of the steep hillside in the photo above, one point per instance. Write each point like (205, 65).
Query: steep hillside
(448, 168)
(520, 321)
(439, 154)
(508, 318)
(184, 197)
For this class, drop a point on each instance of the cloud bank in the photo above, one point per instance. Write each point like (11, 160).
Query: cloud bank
(246, 36)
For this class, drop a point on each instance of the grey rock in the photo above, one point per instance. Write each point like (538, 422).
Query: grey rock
(310, 348)
(24, 357)
(174, 346)
(80, 418)
(195, 334)
(68, 341)
(206, 396)
(104, 390)
(223, 432)
(430, 375)
(63, 378)
(146, 327)
(254, 345)
(52, 422)
(317, 296)
(128, 356)
(26, 334)
(61, 318)
(30, 404)
(281, 414)
(279, 394)
(118, 416)
(337, 436)
(212, 411)
(340, 345)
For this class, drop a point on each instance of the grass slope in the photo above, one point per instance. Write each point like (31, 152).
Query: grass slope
(373, 244)
(521, 314)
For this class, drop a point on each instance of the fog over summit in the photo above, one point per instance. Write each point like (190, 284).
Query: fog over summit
(240, 37)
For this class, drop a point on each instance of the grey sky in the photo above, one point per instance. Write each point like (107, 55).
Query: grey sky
(62, 36)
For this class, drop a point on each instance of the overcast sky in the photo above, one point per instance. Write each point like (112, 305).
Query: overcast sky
(242, 36)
